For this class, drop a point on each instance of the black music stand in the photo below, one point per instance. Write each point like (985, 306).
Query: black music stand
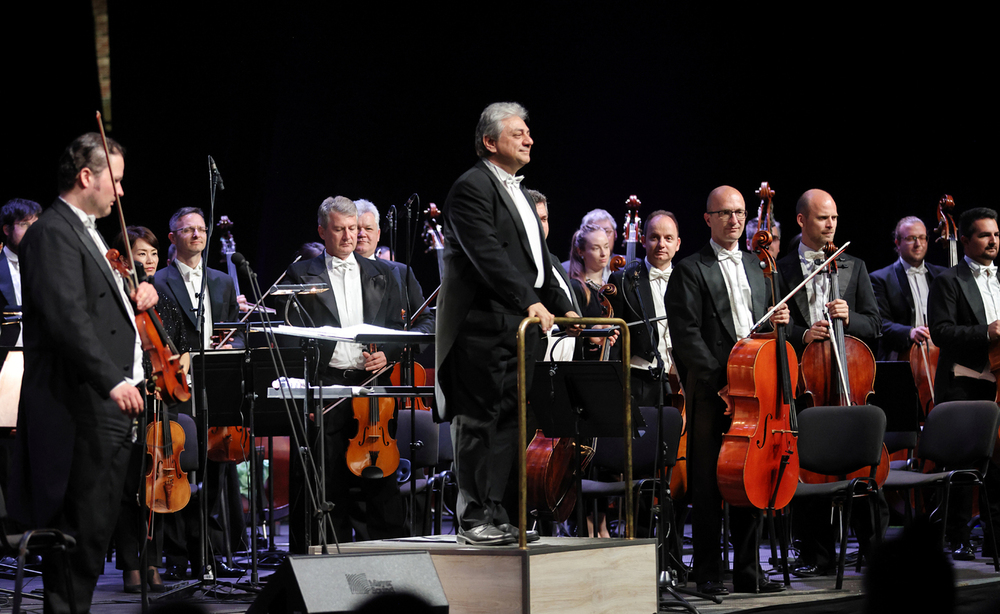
(580, 399)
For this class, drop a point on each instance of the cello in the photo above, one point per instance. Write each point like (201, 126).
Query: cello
(840, 371)
(758, 464)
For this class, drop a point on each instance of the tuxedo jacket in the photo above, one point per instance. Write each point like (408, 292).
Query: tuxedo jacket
(221, 293)
(958, 324)
(79, 343)
(489, 274)
(896, 307)
(700, 318)
(855, 288)
(626, 305)
(8, 298)
(380, 297)
(424, 323)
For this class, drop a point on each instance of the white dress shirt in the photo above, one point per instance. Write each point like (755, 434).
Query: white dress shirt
(989, 289)
(192, 281)
(917, 278)
(738, 287)
(658, 288)
(15, 279)
(345, 283)
(528, 217)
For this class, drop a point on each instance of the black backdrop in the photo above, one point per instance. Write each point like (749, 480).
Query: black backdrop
(886, 110)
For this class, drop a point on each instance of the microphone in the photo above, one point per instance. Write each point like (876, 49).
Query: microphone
(240, 262)
(215, 173)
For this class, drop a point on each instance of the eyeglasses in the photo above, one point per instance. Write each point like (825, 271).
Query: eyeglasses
(915, 238)
(740, 214)
(191, 229)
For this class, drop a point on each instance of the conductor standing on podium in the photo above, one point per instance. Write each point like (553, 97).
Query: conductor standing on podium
(496, 273)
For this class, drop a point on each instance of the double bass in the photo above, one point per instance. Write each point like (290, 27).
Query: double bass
(759, 464)
(923, 356)
(839, 371)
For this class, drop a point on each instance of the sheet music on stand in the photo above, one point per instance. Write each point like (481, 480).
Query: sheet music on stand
(361, 333)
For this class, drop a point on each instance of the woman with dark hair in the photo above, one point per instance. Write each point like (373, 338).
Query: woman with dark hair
(131, 525)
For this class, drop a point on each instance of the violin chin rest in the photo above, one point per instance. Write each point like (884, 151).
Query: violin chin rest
(372, 473)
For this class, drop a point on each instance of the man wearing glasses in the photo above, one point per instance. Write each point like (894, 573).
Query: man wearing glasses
(713, 299)
(901, 291)
(181, 281)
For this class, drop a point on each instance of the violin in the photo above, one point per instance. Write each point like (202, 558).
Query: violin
(167, 489)
(839, 371)
(372, 451)
(759, 464)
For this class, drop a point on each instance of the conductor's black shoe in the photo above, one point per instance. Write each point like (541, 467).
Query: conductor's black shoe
(509, 529)
(715, 589)
(963, 552)
(484, 535)
(763, 587)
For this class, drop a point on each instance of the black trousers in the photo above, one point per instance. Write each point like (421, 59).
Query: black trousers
(101, 455)
(706, 426)
(482, 398)
(130, 530)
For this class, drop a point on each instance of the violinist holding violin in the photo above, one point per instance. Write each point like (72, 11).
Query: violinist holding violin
(816, 214)
(713, 299)
(83, 362)
(362, 291)
(590, 252)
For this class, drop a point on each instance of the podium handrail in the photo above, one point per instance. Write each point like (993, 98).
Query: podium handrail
(522, 421)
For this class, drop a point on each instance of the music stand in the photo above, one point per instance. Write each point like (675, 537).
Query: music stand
(580, 399)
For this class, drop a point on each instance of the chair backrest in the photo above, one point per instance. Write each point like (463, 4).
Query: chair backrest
(446, 452)
(189, 455)
(840, 440)
(611, 450)
(426, 432)
(959, 434)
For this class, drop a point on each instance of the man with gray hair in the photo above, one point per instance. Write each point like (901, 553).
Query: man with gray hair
(369, 233)
(497, 271)
(362, 291)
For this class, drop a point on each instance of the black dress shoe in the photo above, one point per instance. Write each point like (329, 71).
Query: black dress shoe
(763, 587)
(812, 571)
(531, 534)
(963, 552)
(484, 535)
(714, 589)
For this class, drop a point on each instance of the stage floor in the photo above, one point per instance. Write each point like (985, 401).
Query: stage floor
(971, 577)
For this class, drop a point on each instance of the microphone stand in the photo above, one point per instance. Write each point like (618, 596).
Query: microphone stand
(666, 575)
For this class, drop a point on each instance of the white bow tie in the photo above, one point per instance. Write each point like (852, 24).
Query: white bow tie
(990, 270)
(194, 274)
(734, 255)
(917, 270)
(513, 182)
(811, 257)
(655, 273)
(90, 223)
(347, 265)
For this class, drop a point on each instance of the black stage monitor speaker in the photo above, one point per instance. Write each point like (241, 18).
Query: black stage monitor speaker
(345, 582)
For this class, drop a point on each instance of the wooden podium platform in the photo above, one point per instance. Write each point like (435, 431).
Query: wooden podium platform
(555, 574)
